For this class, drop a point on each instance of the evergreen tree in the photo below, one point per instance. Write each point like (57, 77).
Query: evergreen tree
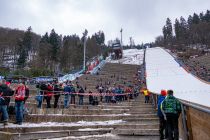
(22, 57)
(54, 40)
(207, 16)
(100, 37)
(45, 38)
(190, 21)
(167, 30)
(25, 47)
(195, 19)
(164, 32)
(177, 28)
(27, 40)
(201, 16)
(183, 28)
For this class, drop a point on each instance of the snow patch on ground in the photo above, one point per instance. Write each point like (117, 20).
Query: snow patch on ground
(85, 137)
(94, 129)
(79, 123)
(131, 56)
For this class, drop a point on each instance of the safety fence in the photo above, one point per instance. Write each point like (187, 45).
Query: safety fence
(54, 93)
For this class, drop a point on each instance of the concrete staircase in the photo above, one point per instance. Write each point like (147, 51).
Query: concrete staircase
(131, 119)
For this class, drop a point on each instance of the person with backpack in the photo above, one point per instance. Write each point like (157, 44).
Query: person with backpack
(171, 109)
(162, 125)
(19, 102)
(5, 95)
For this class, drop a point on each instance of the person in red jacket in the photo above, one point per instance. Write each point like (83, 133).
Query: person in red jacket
(49, 94)
(19, 101)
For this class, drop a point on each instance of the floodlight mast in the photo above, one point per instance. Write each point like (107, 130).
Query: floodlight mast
(85, 40)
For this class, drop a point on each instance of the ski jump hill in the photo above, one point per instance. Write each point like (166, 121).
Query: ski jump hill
(163, 72)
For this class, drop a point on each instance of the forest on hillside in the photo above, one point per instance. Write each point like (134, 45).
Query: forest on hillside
(191, 32)
(30, 54)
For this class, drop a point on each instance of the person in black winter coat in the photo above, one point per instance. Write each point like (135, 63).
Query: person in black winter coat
(57, 89)
(5, 95)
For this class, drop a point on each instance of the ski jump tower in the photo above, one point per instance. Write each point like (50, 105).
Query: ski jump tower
(117, 47)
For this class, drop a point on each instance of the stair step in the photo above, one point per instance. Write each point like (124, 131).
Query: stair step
(155, 119)
(136, 132)
(52, 134)
(109, 137)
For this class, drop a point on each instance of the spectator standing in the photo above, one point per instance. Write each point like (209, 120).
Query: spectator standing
(57, 92)
(5, 93)
(73, 91)
(171, 108)
(146, 94)
(90, 98)
(81, 92)
(49, 94)
(162, 125)
(19, 102)
(67, 91)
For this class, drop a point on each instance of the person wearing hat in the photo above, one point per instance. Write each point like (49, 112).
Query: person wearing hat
(171, 107)
(162, 124)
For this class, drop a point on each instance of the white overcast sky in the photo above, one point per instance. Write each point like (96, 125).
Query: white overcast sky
(141, 19)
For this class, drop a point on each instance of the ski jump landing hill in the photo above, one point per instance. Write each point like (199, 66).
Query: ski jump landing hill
(163, 72)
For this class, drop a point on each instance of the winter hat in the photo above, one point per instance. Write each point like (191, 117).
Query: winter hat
(163, 92)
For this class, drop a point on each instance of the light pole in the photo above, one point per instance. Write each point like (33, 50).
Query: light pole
(121, 37)
(85, 39)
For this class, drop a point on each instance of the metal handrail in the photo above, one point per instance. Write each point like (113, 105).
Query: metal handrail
(195, 106)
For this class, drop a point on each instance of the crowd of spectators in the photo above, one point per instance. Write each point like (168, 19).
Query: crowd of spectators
(200, 66)
(197, 64)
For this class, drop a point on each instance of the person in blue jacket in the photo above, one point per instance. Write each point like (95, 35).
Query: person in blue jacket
(67, 92)
(162, 126)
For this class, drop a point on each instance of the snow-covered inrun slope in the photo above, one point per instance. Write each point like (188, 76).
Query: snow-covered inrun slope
(131, 56)
(163, 72)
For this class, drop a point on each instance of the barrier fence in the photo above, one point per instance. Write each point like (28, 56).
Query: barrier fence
(77, 93)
